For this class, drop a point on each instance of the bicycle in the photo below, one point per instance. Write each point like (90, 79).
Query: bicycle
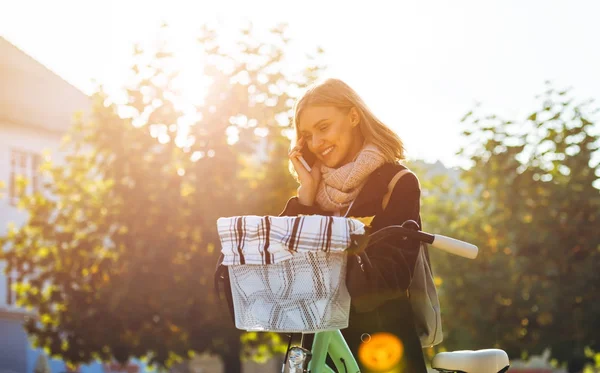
(311, 357)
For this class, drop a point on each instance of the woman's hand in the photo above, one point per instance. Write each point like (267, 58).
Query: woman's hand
(359, 243)
(309, 180)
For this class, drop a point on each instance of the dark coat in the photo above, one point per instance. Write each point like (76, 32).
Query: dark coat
(392, 261)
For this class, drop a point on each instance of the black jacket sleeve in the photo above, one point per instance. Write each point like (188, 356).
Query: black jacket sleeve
(392, 260)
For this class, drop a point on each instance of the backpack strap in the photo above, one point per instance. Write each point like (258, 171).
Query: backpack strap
(392, 185)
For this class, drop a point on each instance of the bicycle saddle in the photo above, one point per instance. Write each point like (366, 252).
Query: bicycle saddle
(480, 361)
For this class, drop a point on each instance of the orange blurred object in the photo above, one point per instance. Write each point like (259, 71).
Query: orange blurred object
(381, 352)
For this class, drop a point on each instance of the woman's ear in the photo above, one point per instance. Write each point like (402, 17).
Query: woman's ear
(354, 116)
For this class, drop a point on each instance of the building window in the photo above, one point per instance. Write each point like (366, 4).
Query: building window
(25, 164)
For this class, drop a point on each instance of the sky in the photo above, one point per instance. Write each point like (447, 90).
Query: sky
(419, 65)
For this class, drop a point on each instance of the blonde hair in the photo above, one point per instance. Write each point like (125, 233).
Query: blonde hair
(336, 93)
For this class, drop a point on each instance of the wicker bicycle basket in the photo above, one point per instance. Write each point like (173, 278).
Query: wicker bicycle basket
(306, 293)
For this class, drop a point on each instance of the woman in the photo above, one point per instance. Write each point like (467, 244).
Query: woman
(353, 157)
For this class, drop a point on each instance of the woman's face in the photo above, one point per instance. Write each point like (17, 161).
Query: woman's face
(331, 134)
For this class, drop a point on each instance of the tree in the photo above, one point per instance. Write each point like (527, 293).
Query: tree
(118, 253)
(533, 210)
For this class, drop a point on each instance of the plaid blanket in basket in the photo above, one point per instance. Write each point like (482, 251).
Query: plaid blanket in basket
(253, 239)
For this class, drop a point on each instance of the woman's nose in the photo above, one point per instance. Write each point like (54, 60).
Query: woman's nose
(316, 142)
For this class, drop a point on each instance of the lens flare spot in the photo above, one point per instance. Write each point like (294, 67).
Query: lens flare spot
(381, 353)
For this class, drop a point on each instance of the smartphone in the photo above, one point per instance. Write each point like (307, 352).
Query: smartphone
(301, 159)
(307, 158)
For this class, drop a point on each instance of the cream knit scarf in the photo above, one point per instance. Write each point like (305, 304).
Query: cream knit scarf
(340, 186)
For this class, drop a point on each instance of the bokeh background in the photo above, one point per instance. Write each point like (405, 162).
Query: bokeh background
(128, 127)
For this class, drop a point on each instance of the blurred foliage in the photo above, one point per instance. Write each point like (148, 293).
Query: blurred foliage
(118, 254)
(530, 204)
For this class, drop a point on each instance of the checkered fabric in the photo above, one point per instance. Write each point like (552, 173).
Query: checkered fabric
(271, 239)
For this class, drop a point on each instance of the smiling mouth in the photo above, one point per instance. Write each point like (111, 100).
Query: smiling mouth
(327, 151)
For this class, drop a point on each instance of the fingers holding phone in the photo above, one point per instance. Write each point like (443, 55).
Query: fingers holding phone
(303, 161)
(309, 177)
(295, 156)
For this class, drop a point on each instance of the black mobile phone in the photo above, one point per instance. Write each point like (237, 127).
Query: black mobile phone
(309, 157)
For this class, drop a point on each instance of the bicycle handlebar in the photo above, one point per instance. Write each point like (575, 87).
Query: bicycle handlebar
(448, 244)
(454, 246)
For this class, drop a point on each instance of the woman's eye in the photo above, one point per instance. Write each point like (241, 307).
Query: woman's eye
(323, 128)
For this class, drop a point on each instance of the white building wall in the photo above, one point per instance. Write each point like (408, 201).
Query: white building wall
(25, 139)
